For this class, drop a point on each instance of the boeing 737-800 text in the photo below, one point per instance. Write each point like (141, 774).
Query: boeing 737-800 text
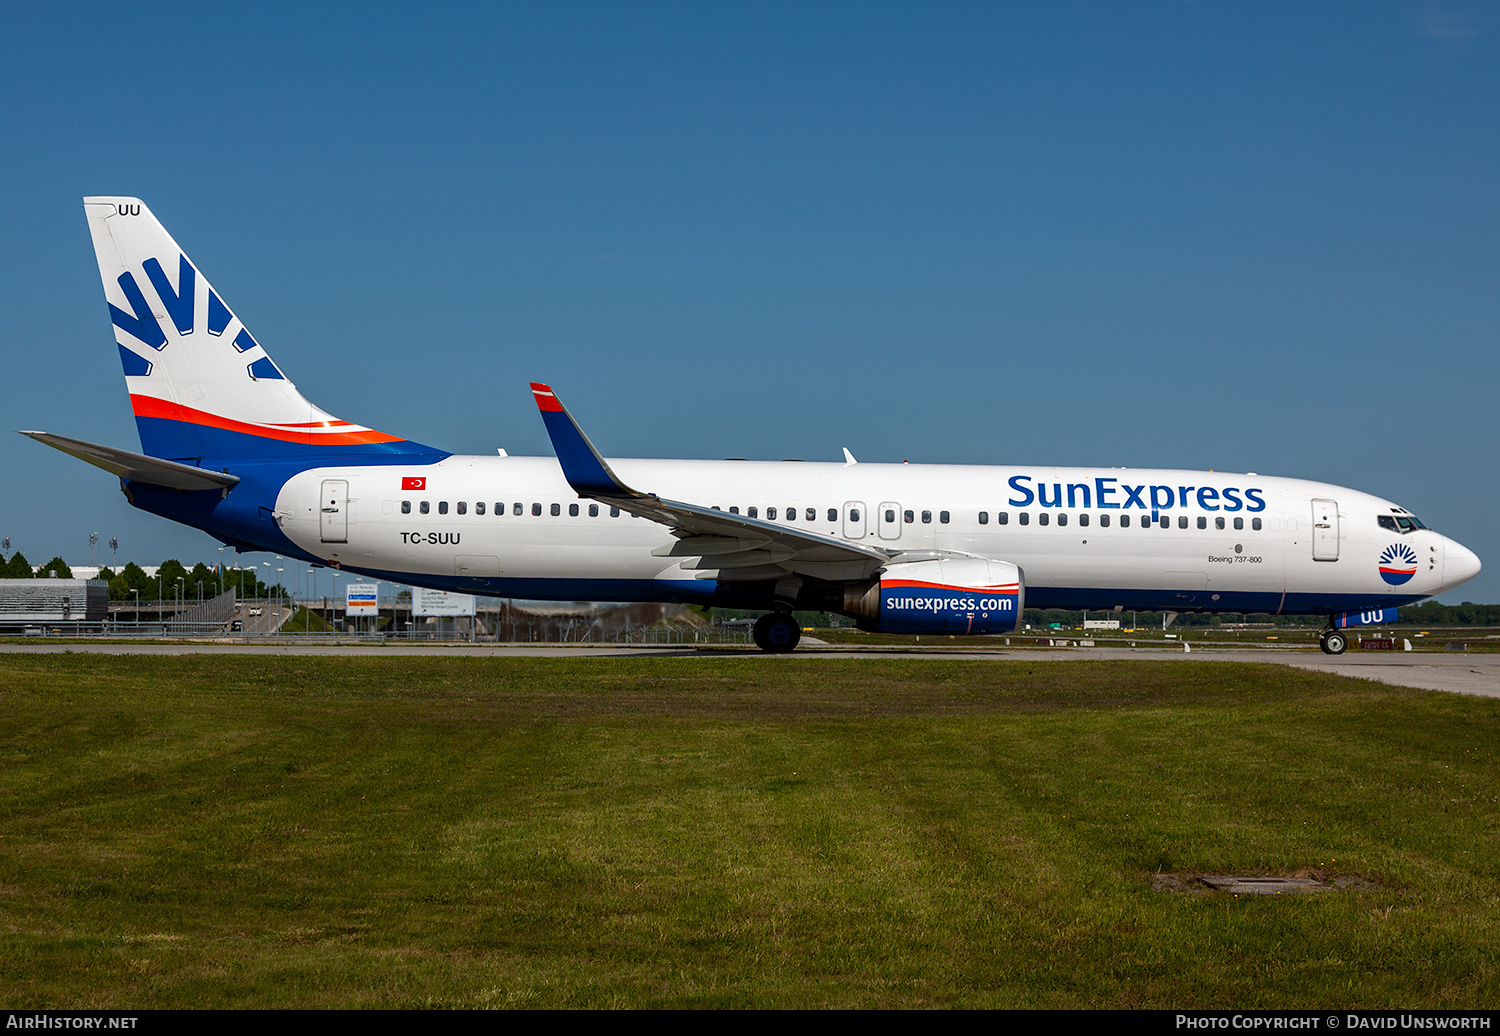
(231, 447)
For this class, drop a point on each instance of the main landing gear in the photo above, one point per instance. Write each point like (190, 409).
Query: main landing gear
(776, 633)
(1333, 642)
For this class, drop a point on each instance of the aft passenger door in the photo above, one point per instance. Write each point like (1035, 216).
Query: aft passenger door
(1325, 537)
(889, 520)
(334, 511)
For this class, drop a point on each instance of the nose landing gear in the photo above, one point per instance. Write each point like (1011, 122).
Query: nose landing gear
(776, 633)
(1333, 642)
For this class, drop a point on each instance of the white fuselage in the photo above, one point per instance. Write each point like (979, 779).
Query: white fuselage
(1229, 542)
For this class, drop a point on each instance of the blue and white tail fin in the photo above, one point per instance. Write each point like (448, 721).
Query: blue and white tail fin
(200, 385)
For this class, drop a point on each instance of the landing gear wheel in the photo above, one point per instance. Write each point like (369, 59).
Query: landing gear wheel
(776, 633)
(1333, 642)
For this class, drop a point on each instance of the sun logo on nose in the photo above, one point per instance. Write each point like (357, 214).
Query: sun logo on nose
(1398, 563)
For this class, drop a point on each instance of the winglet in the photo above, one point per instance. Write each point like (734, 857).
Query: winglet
(582, 466)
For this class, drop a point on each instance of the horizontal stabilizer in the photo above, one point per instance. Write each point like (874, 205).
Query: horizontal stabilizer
(138, 467)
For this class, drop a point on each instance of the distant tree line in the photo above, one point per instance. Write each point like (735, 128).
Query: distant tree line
(164, 585)
(248, 584)
(19, 568)
(1430, 613)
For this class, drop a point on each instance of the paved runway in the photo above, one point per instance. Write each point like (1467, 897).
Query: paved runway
(1476, 673)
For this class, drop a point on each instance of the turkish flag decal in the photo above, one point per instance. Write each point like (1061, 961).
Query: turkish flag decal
(418, 484)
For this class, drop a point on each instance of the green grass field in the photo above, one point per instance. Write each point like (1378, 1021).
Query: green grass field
(272, 831)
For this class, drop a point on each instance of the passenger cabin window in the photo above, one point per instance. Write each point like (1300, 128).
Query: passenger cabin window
(890, 517)
(556, 510)
(463, 507)
(1083, 519)
(572, 510)
(791, 514)
(734, 510)
(1124, 521)
(516, 509)
(406, 508)
(1043, 518)
(1024, 518)
(1182, 521)
(811, 515)
(984, 517)
(614, 512)
(854, 514)
(442, 507)
(943, 517)
(593, 510)
(909, 517)
(1002, 518)
(1202, 522)
(536, 510)
(1104, 520)
(1062, 519)
(479, 507)
(424, 506)
(752, 512)
(1164, 521)
(1255, 524)
(770, 514)
(1218, 523)
(1239, 523)
(926, 517)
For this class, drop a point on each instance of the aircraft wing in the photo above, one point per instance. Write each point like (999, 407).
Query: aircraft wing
(138, 467)
(717, 544)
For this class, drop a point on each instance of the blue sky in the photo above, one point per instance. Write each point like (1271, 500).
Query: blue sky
(1234, 236)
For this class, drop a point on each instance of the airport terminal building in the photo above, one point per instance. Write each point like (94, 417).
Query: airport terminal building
(51, 602)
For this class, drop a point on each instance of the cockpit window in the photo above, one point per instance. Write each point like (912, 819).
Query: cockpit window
(1402, 523)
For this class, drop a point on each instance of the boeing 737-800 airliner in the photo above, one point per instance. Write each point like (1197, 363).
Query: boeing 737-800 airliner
(231, 447)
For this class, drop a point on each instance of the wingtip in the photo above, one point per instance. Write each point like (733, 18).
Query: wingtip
(546, 399)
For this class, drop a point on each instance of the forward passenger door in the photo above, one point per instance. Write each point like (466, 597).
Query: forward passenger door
(1325, 520)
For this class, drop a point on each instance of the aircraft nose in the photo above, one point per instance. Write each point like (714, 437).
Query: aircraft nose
(1460, 564)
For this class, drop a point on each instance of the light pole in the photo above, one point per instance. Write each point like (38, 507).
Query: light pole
(93, 539)
(114, 551)
(137, 595)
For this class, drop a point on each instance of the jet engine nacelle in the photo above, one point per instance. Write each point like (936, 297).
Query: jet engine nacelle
(951, 595)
